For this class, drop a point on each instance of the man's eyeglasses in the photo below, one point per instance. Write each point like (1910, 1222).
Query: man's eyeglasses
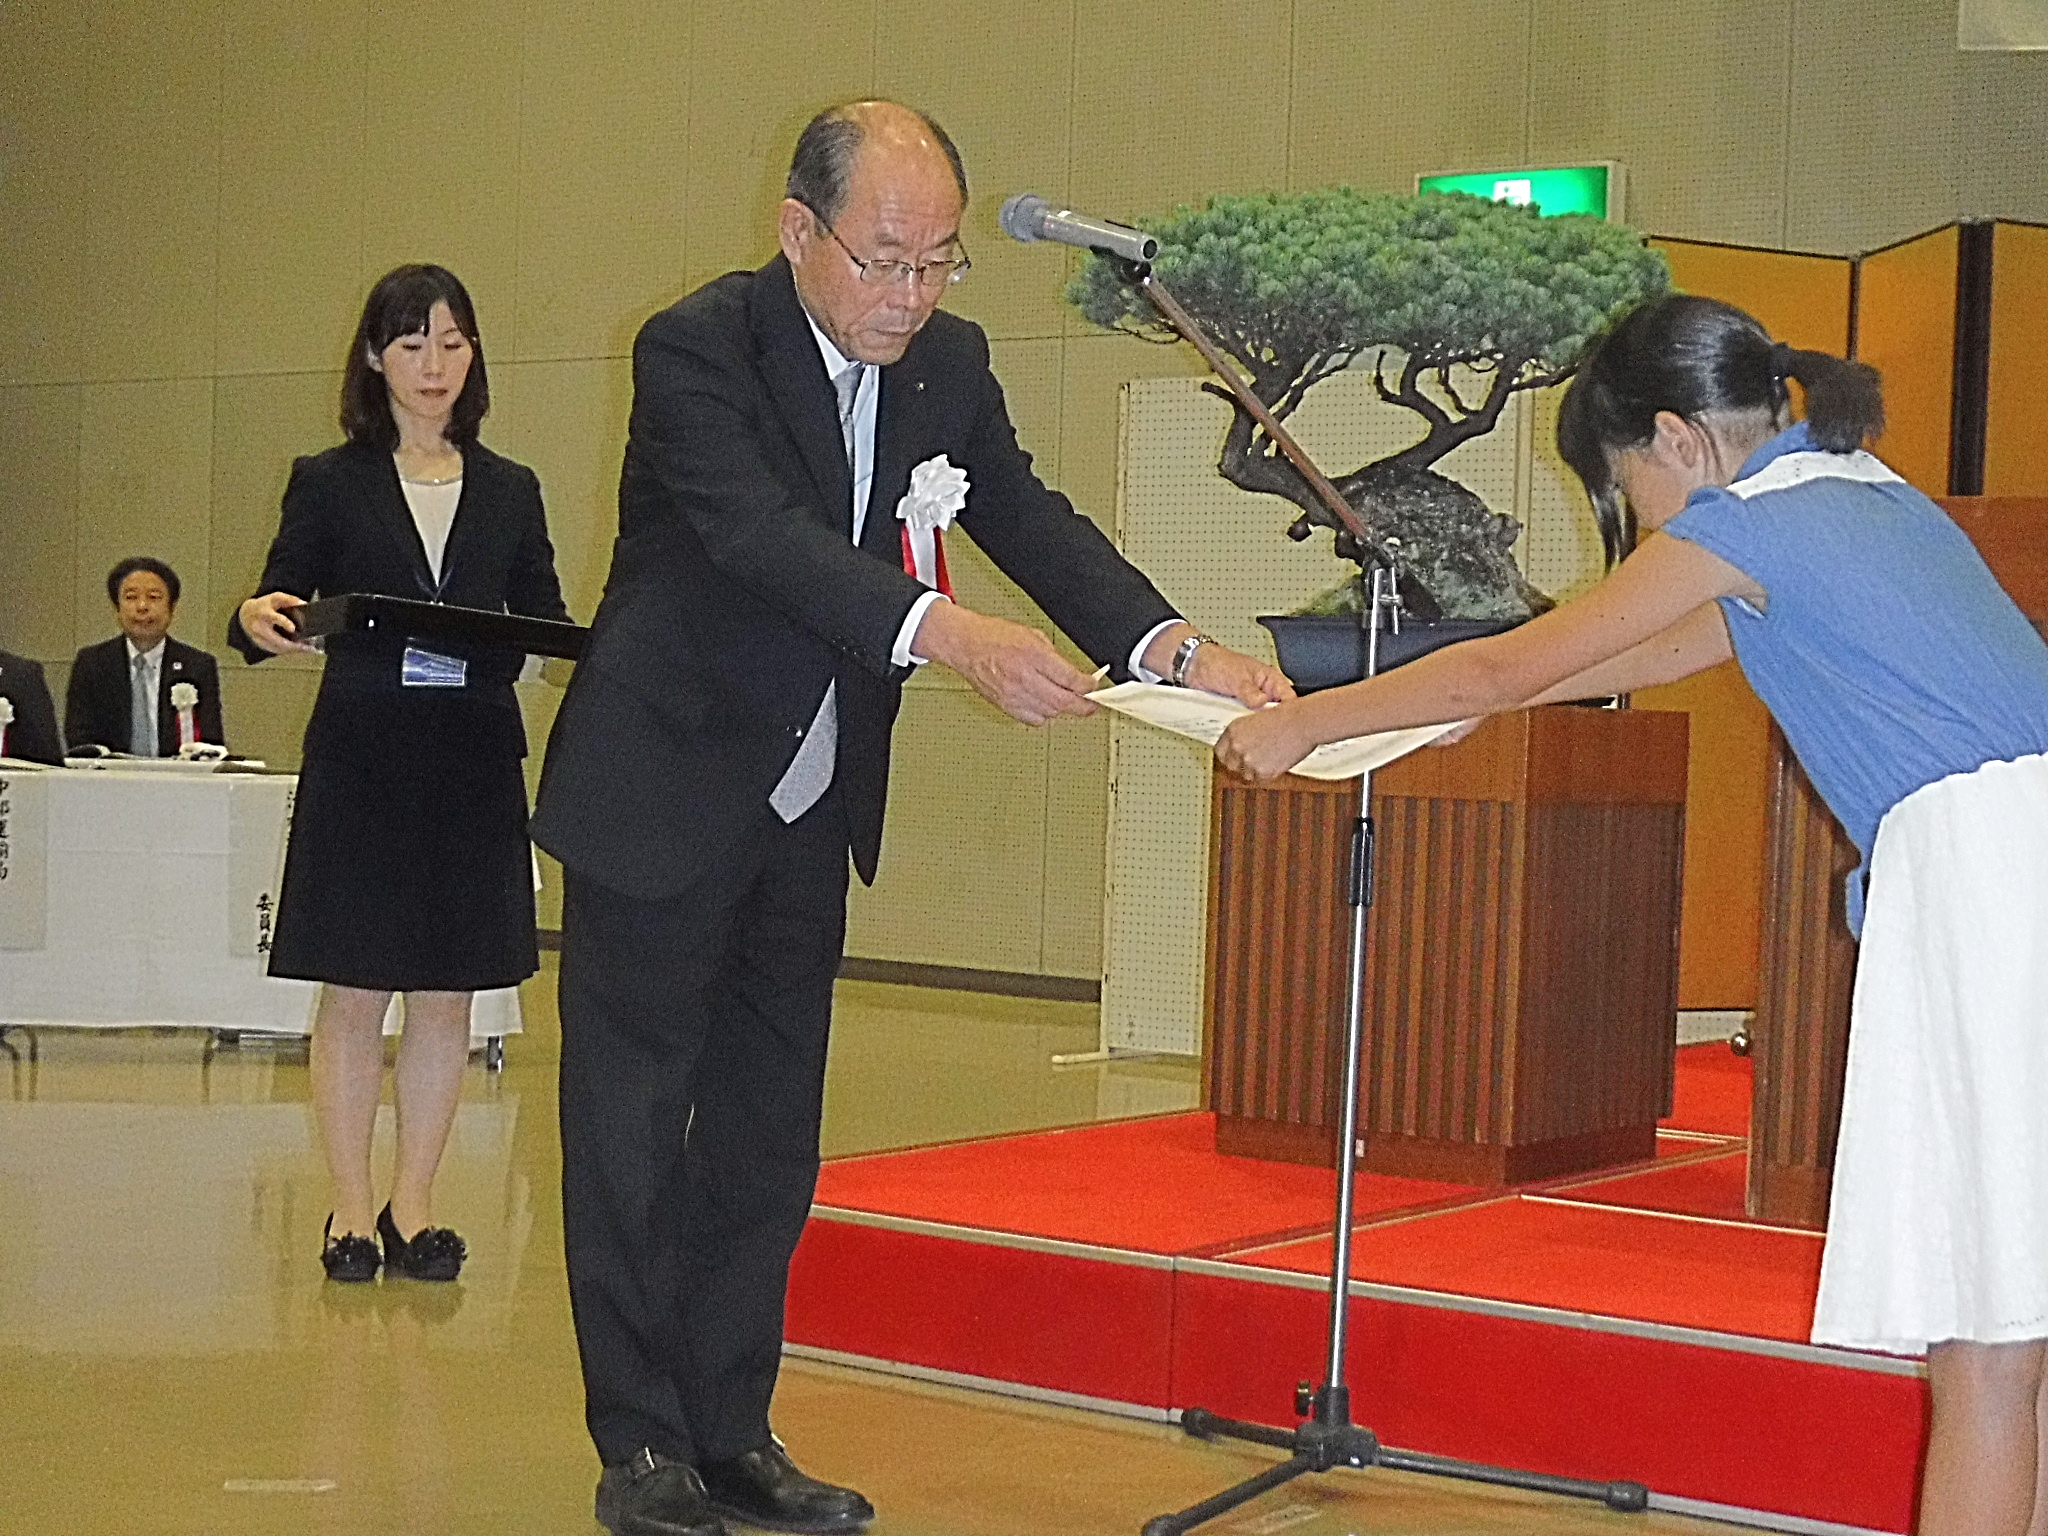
(887, 274)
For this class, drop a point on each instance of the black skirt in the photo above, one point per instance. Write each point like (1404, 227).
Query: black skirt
(408, 867)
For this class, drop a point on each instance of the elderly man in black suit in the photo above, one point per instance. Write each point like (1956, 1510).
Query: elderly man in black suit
(28, 723)
(124, 692)
(725, 744)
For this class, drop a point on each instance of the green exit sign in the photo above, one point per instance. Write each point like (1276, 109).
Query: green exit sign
(1594, 189)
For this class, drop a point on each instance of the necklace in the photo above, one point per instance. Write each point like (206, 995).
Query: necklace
(455, 479)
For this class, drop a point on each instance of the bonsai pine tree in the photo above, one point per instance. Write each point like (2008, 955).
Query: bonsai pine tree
(1459, 303)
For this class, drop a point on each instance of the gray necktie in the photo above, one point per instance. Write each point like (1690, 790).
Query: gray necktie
(141, 712)
(810, 772)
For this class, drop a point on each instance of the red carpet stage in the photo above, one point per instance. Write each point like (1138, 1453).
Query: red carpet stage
(1628, 1324)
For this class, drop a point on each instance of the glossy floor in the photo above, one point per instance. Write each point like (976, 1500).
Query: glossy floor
(171, 1360)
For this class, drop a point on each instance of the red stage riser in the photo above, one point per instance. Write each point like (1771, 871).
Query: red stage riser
(1730, 1427)
(1727, 1426)
(1098, 1328)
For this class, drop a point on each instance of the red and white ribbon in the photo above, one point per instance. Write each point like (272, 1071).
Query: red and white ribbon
(938, 492)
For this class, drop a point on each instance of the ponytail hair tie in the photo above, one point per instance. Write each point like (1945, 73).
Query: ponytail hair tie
(1781, 361)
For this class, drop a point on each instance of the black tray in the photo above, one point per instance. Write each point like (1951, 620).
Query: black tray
(371, 613)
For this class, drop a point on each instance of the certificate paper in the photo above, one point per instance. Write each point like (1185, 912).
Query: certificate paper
(1204, 716)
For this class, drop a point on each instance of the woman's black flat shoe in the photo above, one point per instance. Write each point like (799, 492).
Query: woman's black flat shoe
(432, 1253)
(349, 1258)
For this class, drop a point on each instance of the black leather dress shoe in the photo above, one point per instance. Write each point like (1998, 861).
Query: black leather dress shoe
(651, 1495)
(763, 1488)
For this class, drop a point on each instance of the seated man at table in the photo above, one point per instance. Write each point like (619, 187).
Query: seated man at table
(126, 693)
(28, 720)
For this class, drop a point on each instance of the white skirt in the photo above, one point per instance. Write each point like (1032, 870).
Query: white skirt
(1938, 1228)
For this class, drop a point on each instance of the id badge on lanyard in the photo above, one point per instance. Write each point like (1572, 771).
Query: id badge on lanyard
(422, 668)
(430, 669)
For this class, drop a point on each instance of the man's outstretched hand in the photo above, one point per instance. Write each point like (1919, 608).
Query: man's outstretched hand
(1218, 669)
(1017, 669)
(1013, 666)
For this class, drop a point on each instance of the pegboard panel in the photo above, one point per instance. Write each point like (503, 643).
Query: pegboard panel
(1222, 555)
(1560, 549)
(1156, 914)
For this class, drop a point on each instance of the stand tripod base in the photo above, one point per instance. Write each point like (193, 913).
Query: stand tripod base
(1321, 1446)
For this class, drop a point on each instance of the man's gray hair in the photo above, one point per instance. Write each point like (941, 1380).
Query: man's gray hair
(821, 170)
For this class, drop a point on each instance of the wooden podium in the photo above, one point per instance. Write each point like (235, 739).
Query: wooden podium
(1523, 963)
(1808, 961)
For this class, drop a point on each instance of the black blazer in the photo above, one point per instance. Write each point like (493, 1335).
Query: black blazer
(345, 527)
(736, 594)
(33, 733)
(96, 705)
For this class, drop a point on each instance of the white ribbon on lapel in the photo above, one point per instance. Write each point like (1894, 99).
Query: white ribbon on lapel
(6, 719)
(938, 492)
(185, 699)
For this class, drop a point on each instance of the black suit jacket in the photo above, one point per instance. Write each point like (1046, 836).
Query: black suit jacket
(736, 595)
(96, 705)
(345, 527)
(33, 733)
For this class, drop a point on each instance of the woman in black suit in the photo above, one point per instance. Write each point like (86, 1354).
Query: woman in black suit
(408, 868)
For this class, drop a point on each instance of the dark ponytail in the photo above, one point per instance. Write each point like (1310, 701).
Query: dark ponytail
(1697, 357)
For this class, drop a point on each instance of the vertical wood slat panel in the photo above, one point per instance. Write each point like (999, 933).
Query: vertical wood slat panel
(1800, 1038)
(1278, 947)
(1522, 965)
(1447, 911)
(1597, 1046)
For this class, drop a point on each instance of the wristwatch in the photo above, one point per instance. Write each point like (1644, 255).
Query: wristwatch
(1184, 656)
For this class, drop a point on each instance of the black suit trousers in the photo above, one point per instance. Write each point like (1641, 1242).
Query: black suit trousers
(693, 1068)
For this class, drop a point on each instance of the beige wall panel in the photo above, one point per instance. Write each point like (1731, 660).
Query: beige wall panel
(1098, 364)
(962, 874)
(1174, 102)
(758, 73)
(154, 112)
(2004, 103)
(1690, 97)
(604, 115)
(145, 487)
(1001, 83)
(260, 425)
(567, 421)
(39, 519)
(1371, 80)
(440, 167)
(265, 707)
(45, 63)
(1076, 824)
(1876, 145)
(291, 202)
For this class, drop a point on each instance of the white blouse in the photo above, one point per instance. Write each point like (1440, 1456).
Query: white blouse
(433, 513)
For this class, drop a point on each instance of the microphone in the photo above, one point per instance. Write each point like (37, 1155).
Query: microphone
(1028, 217)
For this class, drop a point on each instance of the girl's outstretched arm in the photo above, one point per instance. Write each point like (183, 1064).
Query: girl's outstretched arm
(1655, 590)
(1696, 642)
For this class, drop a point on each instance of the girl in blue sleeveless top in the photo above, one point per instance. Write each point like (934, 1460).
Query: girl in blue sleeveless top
(1915, 695)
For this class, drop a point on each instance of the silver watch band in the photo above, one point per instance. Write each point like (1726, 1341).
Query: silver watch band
(1183, 658)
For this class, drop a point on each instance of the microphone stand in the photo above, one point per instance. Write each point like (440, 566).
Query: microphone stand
(1325, 1438)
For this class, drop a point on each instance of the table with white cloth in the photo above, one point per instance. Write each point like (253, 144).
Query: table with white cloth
(135, 893)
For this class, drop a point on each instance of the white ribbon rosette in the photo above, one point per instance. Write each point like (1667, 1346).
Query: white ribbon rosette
(185, 699)
(938, 492)
(6, 719)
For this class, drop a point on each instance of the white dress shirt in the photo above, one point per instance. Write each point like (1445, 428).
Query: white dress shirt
(867, 397)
